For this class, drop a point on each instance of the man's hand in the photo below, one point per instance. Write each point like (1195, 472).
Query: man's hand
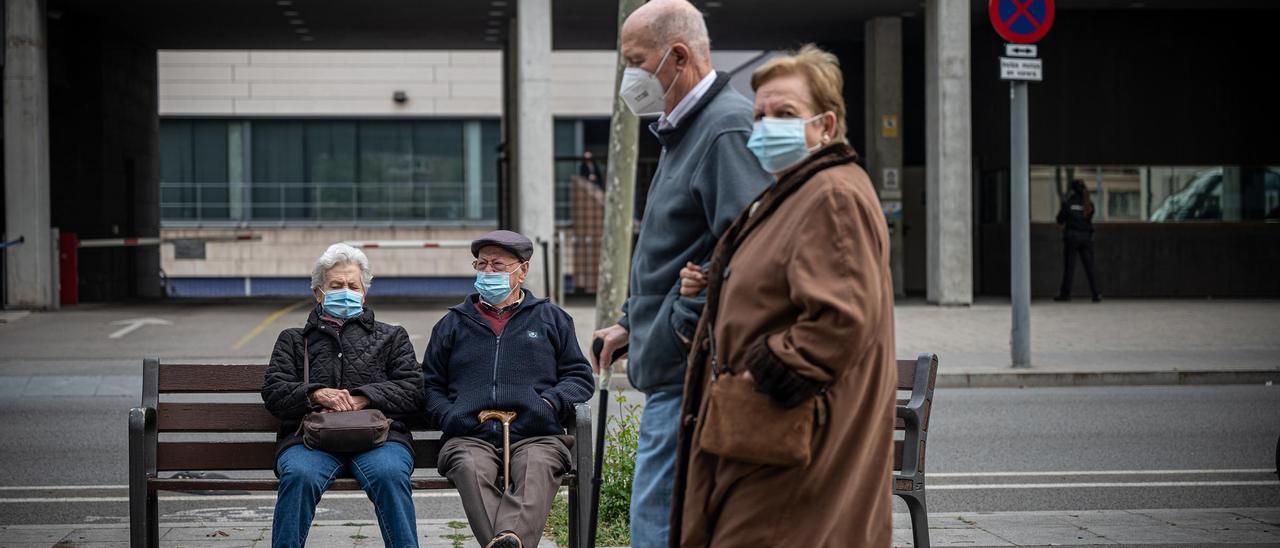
(334, 399)
(615, 337)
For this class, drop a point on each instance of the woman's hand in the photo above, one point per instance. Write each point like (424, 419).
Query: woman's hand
(336, 400)
(692, 280)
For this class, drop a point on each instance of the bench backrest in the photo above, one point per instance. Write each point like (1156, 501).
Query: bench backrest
(916, 377)
(160, 379)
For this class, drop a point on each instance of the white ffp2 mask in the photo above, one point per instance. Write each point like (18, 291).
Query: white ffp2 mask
(641, 90)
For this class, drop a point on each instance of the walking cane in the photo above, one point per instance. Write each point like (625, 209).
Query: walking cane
(506, 417)
(606, 371)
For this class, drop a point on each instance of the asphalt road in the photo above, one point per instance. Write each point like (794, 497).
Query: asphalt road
(989, 450)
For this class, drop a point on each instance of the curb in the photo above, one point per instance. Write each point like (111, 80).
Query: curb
(1047, 379)
(1024, 379)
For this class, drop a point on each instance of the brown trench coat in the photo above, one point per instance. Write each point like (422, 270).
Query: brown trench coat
(808, 304)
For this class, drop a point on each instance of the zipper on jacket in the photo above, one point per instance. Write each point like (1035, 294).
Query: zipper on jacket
(497, 351)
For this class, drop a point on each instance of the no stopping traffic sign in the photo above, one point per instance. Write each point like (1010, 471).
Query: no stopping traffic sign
(1021, 21)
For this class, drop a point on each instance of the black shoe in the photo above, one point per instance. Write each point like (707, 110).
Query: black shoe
(1062, 298)
(505, 539)
(1097, 298)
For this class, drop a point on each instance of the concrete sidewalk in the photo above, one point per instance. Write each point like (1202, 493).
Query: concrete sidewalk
(1124, 342)
(1241, 526)
(1079, 343)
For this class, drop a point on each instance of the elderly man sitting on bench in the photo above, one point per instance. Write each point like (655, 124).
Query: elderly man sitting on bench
(502, 372)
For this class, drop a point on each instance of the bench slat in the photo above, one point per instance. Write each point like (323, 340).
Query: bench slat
(215, 417)
(178, 378)
(252, 455)
(341, 484)
(906, 374)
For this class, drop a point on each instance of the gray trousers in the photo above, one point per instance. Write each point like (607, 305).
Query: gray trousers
(538, 466)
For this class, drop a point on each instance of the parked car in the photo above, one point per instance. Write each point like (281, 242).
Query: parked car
(1201, 199)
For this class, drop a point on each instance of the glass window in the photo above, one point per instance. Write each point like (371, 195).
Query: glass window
(341, 171)
(194, 170)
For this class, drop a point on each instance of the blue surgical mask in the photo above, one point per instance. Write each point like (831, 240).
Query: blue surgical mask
(343, 303)
(779, 142)
(494, 287)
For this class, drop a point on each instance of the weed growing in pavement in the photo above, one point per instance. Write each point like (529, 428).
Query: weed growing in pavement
(621, 443)
(457, 537)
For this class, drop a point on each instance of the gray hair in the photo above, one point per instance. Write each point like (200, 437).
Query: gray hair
(683, 24)
(341, 254)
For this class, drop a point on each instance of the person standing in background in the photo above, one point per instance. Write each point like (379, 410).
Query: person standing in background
(1076, 219)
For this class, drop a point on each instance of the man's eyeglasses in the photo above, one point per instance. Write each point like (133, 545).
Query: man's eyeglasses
(480, 265)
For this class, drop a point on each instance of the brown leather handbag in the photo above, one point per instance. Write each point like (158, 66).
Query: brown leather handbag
(341, 431)
(745, 424)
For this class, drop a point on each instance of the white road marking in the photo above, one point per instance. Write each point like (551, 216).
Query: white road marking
(212, 498)
(1094, 473)
(1147, 484)
(945, 487)
(133, 325)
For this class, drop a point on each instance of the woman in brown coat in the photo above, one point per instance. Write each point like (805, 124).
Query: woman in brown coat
(787, 436)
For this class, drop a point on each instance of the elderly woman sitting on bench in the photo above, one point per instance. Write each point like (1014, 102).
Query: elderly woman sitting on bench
(503, 371)
(343, 360)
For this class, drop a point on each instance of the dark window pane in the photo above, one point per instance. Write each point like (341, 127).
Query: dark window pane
(279, 171)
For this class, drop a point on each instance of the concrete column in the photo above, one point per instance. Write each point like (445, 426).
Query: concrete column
(509, 180)
(29, 268)
(948, 158)
(884, 128)
(535, 135)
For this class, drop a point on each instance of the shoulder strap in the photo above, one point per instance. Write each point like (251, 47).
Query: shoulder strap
(306, 361)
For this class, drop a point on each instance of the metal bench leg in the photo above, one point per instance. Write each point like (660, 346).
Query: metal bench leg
(575, 538)
(919, 518)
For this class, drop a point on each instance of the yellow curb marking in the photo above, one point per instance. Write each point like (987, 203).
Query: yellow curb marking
(257, 330)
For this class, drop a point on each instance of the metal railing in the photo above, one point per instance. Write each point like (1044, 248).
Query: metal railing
(374, 203)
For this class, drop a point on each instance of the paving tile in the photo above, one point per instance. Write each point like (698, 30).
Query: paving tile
(25, 535)
(1050, 536)
(62, 385)
(1145, 534)
(119, 385)
(1108, 518)
(965, 537)
(11, 385)
(214, 533)
(99, 534)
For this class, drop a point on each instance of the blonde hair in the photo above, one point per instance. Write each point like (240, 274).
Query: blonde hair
(822, 70)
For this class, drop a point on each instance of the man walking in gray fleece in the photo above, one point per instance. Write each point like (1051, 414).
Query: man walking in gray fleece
(706, 176)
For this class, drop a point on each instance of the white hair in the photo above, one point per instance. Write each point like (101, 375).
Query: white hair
(683, 24)
(341, 254)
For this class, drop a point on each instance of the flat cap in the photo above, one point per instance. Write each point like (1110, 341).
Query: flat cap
(514, 242)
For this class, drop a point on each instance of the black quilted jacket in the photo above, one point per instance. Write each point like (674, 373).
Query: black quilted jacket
(367, 358)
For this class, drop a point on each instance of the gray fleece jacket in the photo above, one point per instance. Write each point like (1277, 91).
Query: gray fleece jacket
(706, 176)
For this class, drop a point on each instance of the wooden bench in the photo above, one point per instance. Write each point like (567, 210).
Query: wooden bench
(917, 376)
(149, 455)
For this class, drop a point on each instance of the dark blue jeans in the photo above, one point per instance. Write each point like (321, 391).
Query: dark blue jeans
(383, 473)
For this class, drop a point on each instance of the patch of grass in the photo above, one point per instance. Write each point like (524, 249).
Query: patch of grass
(621, 442)
(358, 536)
(355, 524)
(457, 537)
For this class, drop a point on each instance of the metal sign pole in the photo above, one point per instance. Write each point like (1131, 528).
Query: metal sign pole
(1019, 227)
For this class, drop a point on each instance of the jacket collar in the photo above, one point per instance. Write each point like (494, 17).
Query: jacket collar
(671, 136)
(365, 318)
(791, 180)
(467, 306)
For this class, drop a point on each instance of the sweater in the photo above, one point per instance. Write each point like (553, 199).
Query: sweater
(706, 176)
